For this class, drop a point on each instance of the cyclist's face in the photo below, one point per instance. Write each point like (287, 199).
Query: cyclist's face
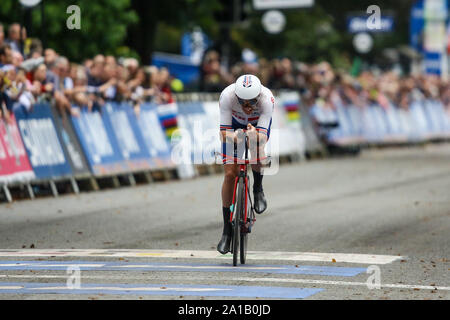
(248, 106)
(248, 109)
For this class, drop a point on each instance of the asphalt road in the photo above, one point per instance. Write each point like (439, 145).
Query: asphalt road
(372, 227)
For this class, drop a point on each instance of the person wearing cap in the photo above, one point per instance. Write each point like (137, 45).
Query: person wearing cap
(245, 104)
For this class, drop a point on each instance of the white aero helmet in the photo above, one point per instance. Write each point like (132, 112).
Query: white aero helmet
(248, 87)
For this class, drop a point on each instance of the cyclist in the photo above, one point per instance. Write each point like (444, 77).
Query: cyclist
(245, 104)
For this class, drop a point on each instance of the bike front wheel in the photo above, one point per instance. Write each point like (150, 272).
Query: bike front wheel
(244, 230)
(237, 219)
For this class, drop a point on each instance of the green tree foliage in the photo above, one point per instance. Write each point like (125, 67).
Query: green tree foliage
(400, 9)
(320, 33)
(143, 26)
(103, 25)
(308, 35)
(161, 23)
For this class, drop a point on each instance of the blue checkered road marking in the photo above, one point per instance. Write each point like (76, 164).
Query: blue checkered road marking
(152, 266)
(160, 289)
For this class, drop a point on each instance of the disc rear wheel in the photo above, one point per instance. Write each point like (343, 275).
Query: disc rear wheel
(237, 219)
(244, 231)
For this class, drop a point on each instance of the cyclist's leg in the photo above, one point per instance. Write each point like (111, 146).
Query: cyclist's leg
(231, 168)
(231, 172)
(227, 198)
(260, 202)
(258, 193)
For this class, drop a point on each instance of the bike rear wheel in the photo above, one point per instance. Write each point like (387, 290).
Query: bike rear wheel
(238, 218)
(243, 249)
(244, 231)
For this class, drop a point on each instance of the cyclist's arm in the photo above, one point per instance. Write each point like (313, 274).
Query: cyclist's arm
(226, 130)
(265, 117)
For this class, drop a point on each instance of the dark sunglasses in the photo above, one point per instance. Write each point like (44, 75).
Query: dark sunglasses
(251, 102)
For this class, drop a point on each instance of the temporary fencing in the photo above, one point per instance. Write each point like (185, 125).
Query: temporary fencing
(44, 148)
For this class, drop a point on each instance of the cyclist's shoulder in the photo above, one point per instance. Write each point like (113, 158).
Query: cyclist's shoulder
(267, 99)
(227, 94)
(266, 92)
(228, 90)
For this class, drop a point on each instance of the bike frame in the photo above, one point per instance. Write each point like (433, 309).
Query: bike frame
(242, 222)
(243, 166)
(242, 174)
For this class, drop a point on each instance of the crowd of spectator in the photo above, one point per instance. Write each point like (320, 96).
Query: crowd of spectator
(29, 73)
(321, 83)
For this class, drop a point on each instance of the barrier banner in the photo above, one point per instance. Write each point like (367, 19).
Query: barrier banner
(124, 126)
(312, 142)
(41, 141)
(326, 119)
(14, 164)
(70, 142)
(437, 118)
(181, 140)
(345, 126)
(354, 115)
(212, 111)
(345, 133)
(371, 123)
(193, 118)
(379, 117)
(154, 136)
(167, 114)
(419, 121)
(179, 144)
(407, 125)
(444, 119)
(397, 132)
(291, 133)
(99, 144)
(286, 142)
(290, 102)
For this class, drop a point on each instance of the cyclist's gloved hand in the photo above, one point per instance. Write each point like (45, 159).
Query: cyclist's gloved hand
(252, 134)
(250, 128)
(239, 136)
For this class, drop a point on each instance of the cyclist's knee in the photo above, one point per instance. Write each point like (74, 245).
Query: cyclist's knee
(230, 173)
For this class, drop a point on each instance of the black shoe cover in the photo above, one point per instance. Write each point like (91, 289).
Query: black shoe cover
(260, 202)
(224, 244)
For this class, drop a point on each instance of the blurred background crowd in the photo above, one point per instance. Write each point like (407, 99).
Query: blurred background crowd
(322, 82)
(29, 73)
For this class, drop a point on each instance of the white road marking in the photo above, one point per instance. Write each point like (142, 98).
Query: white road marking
(203, 254)
(132, 289)
(341, 283)
(51, 265)
(249, 268)
(66, 265)
(11, 287)
(55, 276)
(279, 280)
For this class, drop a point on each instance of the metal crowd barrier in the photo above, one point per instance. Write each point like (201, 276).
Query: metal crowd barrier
(425, 120)
(44, 151)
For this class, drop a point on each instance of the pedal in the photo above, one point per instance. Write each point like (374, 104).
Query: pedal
(247, 228)
(251, 223)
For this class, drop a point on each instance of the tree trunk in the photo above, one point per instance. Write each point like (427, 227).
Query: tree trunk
(140, 37)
